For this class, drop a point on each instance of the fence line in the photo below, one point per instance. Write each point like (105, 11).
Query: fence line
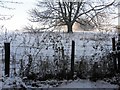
(69, 45)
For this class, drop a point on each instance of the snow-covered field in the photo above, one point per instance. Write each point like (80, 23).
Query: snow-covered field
(87, 44)
(45, 45)
(88, 84)
(76, 84)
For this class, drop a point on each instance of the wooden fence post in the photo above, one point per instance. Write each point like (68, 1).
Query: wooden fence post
(114, 55)
(7, 59)
(72, 58)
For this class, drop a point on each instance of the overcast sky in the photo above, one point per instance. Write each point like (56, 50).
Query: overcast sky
(20, 18)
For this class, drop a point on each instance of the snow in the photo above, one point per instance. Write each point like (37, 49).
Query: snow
(12, 82)
(88, 84)
(25, 44)
(17, 82)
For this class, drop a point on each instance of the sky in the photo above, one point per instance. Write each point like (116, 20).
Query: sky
(20, 14)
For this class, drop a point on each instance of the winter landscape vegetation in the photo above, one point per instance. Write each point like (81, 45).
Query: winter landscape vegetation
(68, 44)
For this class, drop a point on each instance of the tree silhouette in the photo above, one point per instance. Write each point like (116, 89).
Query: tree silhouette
(59, 13)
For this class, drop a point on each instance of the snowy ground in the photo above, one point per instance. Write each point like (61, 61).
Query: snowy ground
(88, 84)
(77, 84)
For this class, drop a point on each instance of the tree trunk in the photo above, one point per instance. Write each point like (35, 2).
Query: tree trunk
(69, 27)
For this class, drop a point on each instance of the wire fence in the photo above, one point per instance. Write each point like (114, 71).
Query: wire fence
(48, 47)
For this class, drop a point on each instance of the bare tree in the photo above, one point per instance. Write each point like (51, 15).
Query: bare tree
(62, 12)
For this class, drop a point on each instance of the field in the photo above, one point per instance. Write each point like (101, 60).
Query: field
(48, 53)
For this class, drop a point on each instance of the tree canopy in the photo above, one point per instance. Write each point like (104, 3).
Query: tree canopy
(65, 12)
